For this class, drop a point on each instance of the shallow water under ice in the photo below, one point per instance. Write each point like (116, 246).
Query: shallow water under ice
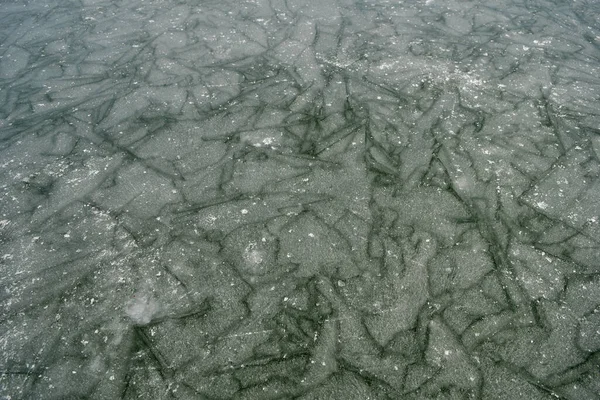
(271, 199)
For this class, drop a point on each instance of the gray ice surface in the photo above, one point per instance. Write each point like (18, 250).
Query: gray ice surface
(300, 199)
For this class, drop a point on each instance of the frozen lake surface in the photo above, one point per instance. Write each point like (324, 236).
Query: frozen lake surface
(301, 199)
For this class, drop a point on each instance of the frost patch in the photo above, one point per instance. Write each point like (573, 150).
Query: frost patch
(142, 309)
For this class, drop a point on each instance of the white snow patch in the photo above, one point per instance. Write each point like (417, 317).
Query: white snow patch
(252, 255)
(141, 309)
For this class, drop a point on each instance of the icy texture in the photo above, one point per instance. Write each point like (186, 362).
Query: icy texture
(301, 199)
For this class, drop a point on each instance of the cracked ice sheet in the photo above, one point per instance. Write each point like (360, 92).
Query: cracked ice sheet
(300, 199)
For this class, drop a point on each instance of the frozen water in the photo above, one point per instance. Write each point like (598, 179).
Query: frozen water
(304, 199)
